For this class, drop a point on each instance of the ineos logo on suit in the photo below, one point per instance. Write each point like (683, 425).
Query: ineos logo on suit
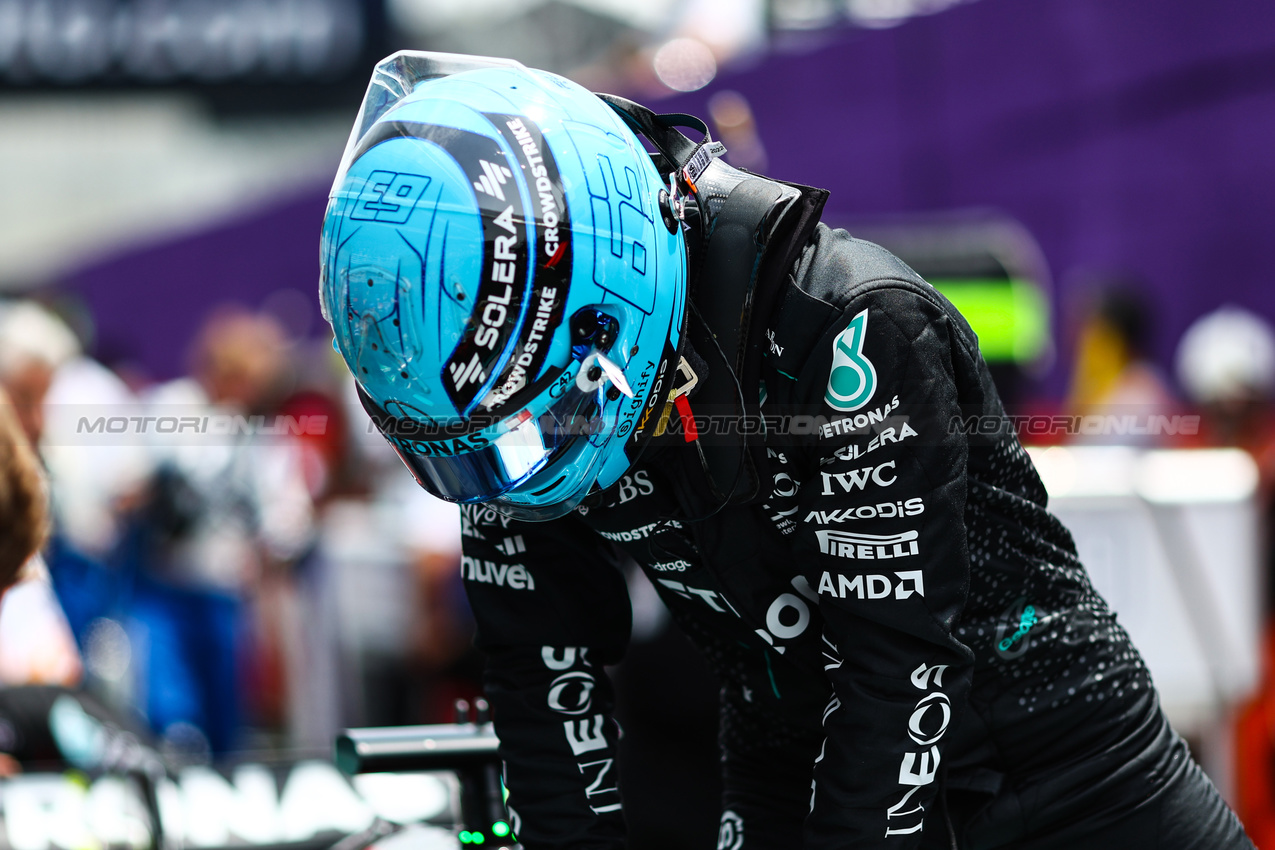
(572, 693)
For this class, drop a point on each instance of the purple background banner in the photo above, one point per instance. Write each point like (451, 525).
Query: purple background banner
(148, 304)
(1131, 137)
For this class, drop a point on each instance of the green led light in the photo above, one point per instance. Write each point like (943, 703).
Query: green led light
(465, 837)
(1010, 316)
(476, 837)
(500, 829)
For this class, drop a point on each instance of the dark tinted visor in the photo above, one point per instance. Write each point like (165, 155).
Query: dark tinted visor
(479, 467)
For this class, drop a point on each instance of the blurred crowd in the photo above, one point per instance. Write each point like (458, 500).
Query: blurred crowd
(1223, 371)
(207, 537)
(237, 561)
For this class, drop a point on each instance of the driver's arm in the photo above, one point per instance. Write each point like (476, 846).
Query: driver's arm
(552, 611)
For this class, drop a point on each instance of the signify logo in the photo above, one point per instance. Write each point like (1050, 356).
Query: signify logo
(1012, 632)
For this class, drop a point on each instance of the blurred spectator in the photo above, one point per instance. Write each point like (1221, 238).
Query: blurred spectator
(446, 667)
(226, 501)
(733, 120)
(1114, 374)
(33, 344)
(35, 643)
(23, 515)
(227, 515)
(1226, 365)
(93, 483)
(51, 383)
(24, 521)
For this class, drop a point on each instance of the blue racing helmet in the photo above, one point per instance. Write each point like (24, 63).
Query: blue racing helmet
(504, 280)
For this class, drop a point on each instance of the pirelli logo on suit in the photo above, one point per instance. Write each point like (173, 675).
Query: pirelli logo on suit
(866, 547)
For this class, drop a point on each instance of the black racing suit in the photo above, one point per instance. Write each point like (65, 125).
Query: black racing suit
(911, 652)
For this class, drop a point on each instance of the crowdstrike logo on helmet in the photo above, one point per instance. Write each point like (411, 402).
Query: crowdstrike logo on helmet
(544, 172)
(551, 279)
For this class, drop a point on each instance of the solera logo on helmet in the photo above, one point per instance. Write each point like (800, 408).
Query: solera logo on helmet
(496, 308)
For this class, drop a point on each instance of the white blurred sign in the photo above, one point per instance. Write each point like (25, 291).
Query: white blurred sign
(1170, 539)
(205, 809)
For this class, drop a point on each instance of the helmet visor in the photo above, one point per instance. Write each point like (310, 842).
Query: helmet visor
(394, 78)
(522, 446)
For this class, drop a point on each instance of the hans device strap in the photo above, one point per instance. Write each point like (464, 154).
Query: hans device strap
(758, 228)
(687, 158)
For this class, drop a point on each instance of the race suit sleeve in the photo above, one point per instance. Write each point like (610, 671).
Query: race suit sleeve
(883, 543)
(552, 611)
